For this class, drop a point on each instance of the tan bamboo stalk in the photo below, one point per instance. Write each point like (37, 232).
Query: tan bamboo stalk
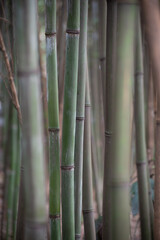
(88, 211)
(151, 19)
(150, 119)
(80, 111)
(102, 44)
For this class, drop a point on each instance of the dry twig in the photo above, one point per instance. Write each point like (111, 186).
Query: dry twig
(11, 79)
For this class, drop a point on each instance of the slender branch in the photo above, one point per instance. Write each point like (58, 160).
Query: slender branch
(5, 20)
(15, 100)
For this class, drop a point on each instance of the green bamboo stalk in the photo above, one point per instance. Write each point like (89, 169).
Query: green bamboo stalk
(121, 140)
(15, 140)
(141, 155)
(32, 131)
(17, 137)
(69, 115)
(61, 49)
(88, 213)
(53, 115)
(11, 187)
(110, 80)
(14, 121)
(78, 154)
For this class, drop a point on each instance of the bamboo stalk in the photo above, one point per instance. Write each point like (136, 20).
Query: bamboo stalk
(53, 115)
(96, 100)
(157, 182)
(150, 119)
(102, 43)
(61, 49)
(121, 141)
(110, 80)
(69, 115)
(78, 154)
(141, 155)
(32, 131)
(151, 18)
(88, 212)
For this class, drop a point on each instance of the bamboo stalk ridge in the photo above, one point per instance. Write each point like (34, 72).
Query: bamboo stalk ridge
(69, 116)
(110, 79)
(78, 154)
(141, 155)
(32, 131)
(121, 140)
(53, 120)
(88, 211)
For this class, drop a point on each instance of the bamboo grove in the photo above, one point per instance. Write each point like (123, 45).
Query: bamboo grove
(80, 119)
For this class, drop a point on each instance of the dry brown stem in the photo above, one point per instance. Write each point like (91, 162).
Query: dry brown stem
(11, 79)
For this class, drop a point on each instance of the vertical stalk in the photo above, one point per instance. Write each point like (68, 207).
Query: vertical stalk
(61, 48)
(69, 115)
(110, 79)
(121, 141)
(53, 118)
(157, 171)
(102, 43)
(151, 18)
(96, 97)
(88, 212)
(78, 154)
(32, 130)
(150, 118)
(141, 156)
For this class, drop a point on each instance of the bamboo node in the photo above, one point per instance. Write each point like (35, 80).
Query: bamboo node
(28, 73)
(108, 134)
(80, 118)
(72, 31)
(87, 211)
(102, 59)
(77, 236)
(34, 225)
(53, 129)
(141, 163)
(87, 105)
(56, 216)
(137, 74)
(67, 168)
(22, 168)
(51, 34)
